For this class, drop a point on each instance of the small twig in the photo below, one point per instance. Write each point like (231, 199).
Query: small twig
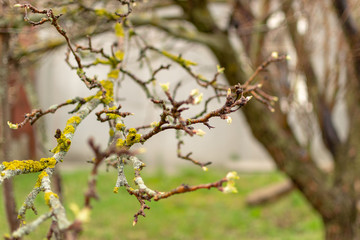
(187, 157)
(186, 188)
(109, 114)
(205, 110)
(263, 66)
(38, 113)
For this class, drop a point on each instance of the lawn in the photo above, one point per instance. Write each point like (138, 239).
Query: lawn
(205, 214)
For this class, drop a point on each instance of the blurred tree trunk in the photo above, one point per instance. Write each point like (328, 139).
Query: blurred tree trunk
(9, 199)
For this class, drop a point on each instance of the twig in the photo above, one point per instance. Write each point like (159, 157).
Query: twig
(187, 156)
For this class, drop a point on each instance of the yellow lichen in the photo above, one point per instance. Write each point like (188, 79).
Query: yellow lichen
(112, 115)
(47, 197)
(133, 137)
(119, 29)
(202, 78)
(69, 129)
(30, 165)
(40, 177)
(113, 74)
(120, 142)
(119, 55)
(88, 98)
(63, 144)
(179, 59)
(109, 87)
(112, 62)
(116, 189)
(104, 13)
(73, 120)
(101, 61)
(111, 132)
(119, 126)
(48, 162)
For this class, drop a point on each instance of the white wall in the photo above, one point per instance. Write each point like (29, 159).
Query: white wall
(231, 146)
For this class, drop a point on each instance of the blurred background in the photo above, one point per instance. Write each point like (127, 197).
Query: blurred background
(52, 78)
(303, 146)
(219, 145)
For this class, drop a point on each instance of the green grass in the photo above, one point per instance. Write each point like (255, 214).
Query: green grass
(198, 215)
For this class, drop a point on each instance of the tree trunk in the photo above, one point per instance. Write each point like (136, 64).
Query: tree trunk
(339, 228)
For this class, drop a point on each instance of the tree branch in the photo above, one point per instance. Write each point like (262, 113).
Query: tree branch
(351, 32)
(322, 110)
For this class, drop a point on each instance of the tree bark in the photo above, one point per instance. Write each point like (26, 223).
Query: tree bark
(339, 229)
